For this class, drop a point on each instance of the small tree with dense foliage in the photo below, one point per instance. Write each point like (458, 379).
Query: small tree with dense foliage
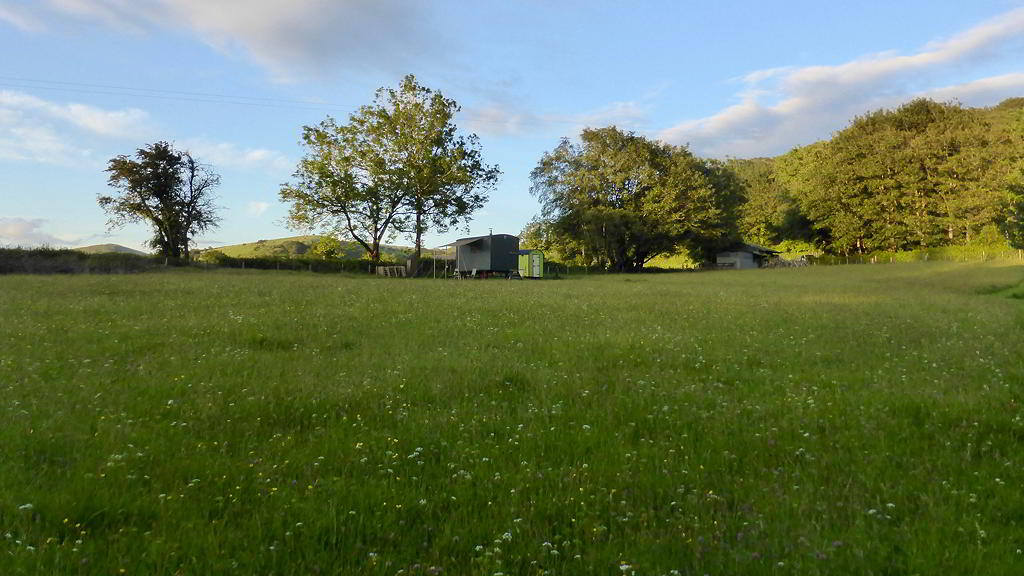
(169, 190)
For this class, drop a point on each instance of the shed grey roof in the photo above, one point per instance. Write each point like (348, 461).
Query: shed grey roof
(472, 239)
(751, 248)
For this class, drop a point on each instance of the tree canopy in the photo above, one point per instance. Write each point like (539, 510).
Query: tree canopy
(398, 166)
(342, 187)
(618, 199)
(168, 189)
(922, 175)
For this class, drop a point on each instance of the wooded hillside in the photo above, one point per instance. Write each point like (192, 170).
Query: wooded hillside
(922, 175)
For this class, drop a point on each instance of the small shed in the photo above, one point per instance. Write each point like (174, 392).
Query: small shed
(531, 263)
(743, 255)
(490, 254)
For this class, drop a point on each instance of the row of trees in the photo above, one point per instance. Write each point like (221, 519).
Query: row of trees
(923, 175)
(397, 166)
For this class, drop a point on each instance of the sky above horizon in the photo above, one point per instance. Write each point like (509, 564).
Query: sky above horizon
(234, 81)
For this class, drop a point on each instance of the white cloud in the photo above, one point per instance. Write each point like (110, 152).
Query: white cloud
(293, 38)
(20, 17)
(127, 124)
(981, 92)
(784, 107)
(129, 14)
(499, 120)
(256, 209)
(25, 232)
(226, 154)
(38, 130)
(35, 129)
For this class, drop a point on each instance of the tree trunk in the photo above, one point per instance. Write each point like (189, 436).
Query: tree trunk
(417, 247)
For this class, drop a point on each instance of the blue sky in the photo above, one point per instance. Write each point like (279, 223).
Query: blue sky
(234, 81)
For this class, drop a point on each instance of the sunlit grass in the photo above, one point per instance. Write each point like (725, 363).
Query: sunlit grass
(843, 420)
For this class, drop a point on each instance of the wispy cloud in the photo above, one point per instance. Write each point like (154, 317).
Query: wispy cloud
(979, 92)
(229, 155)
(504, 120)
(299, 37)
(784, 107)
(19, 16)
(35, 129)
(22, 140)
(256, 209)
(30, 232)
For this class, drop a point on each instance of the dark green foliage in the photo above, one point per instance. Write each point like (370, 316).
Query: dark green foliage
(64, 261)
(309, 264)
(619, 200)
(769, 214)
(923, 175)
(169, 190)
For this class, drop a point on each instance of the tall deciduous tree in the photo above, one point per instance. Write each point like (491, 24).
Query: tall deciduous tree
(618, 199)
(399, 165)
(343, 185)
(440, 172)
(170, 190)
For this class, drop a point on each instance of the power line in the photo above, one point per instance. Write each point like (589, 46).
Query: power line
(175, 95)
(235, 100)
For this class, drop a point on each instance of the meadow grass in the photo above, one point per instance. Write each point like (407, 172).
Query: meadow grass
(826, 420)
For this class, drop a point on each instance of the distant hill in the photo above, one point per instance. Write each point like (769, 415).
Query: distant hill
(302, 246)
(108, 249)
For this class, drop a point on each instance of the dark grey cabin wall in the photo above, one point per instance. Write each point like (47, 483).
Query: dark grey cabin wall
(503, 257)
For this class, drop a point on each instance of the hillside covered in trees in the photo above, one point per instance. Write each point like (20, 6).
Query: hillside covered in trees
(924, 175)
(920, 176)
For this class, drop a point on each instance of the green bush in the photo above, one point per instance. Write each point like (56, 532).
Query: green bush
(64, 261)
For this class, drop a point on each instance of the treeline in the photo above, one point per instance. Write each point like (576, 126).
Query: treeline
(921, 176)
(67, 261)
(925, 175)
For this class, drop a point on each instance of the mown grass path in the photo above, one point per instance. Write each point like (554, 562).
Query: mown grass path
(842, 420)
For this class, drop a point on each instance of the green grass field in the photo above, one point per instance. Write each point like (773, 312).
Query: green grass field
(826, 420)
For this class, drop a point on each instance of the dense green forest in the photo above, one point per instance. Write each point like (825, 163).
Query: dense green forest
(923, 175)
